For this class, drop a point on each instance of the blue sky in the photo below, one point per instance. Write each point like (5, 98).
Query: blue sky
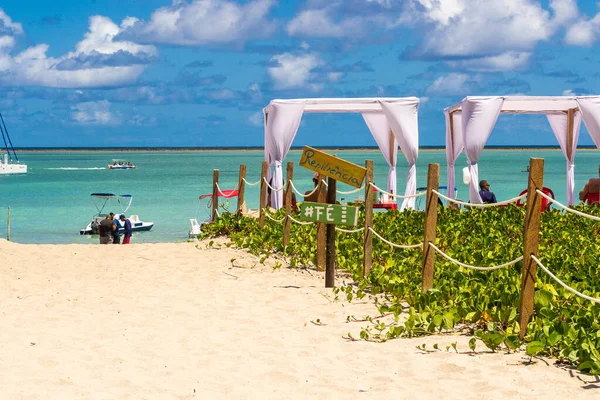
(198, 72)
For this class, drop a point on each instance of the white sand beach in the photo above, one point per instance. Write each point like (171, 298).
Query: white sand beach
(182, 321)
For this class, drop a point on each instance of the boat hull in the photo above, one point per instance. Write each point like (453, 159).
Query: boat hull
(121, 166)
(139, 227)
(8, 169)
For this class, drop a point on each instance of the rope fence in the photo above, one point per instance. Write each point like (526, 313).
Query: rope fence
(560, 205)
(301, 194)
(561, 283)
(530, 237)
(221, 193)
(508, 264)
(400, 246)
(482, 205)
(349, 230)
(251, 184)
(397, 196)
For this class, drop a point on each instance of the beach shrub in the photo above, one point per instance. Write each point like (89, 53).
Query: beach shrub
(482, 303)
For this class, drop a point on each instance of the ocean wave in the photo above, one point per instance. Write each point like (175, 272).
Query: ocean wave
(76, 169)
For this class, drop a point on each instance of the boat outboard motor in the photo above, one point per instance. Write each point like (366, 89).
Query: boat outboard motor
(94, 226)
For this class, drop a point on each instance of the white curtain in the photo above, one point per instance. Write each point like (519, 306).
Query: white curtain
(453, 147)
(281, 128)
(559, 124)
(380, 129)
(403, 119)
(479, 117)
(590, 112)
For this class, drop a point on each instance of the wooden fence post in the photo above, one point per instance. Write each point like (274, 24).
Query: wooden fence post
(8, 226)
(241, 190)
(431, 206)
(321, 198)
(263, 194)
(531, 239)
(330, 253)
(288, 203)
(368, 235)
(215, 194)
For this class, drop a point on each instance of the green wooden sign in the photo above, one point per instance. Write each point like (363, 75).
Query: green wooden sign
(328, 213)
(332, 166)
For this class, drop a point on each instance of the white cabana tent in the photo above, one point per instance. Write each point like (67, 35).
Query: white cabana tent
(470, 123)
(392, 122)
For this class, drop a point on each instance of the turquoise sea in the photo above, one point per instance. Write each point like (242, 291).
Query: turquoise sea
(51, 203)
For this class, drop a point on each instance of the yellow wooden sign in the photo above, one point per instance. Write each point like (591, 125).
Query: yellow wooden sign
(333, 167)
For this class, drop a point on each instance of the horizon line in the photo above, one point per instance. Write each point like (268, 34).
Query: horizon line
(155, 148)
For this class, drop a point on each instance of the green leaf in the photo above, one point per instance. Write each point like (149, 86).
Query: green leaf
(472, 343)
(534, 348)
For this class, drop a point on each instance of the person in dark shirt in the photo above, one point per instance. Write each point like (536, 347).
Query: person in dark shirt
(486, 195)
(105, 229)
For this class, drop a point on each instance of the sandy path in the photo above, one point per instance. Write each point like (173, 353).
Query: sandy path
(172, 321)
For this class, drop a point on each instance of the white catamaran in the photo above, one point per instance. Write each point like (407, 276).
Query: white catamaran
(9, 162)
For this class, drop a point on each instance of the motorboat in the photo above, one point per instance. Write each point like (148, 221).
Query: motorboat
(9, 162)
(196, 227)
(104, 200)
(121, 164)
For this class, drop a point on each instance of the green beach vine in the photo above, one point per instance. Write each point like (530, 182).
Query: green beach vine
(482, 303)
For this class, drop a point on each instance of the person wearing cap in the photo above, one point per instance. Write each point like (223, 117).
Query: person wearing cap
(486, 195)
(128, 230)
(313, 195)
(115, 232)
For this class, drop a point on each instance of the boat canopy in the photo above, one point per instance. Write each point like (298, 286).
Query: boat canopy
(110, 195)
(101, 200)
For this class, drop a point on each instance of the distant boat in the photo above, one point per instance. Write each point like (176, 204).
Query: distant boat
(121, 164)
(9, 163)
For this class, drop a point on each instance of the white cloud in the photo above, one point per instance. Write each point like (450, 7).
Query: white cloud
(294, 71)
(487, 35)
(32, 66)
(323, 22)
(94, 113)
(256, 119)
(485, 28)
(584, 32)
(452, 84)
(509, 61)
(500, 33)
(7, 26)
(335, 76)
(202, 22)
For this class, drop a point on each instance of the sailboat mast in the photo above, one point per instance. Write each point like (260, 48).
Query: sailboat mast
(7, 137)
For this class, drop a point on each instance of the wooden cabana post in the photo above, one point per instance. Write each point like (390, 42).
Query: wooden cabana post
(431, 206)
(288, 203)
(215, 195)
(368, 235)
(241, 190)
(531, 240)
